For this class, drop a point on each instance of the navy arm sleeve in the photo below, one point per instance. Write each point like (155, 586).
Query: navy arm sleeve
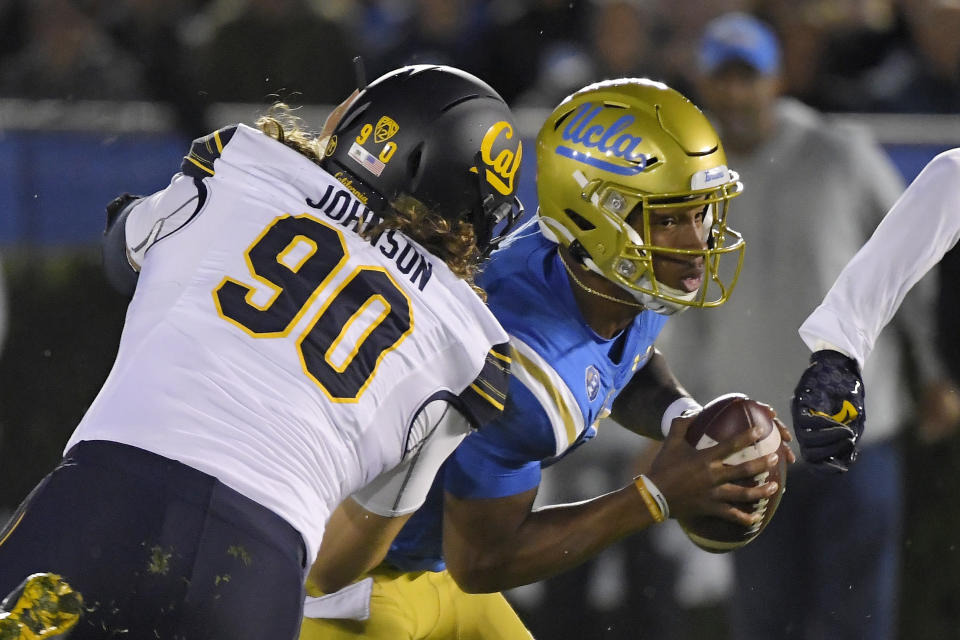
(120, 273)
(483, 400)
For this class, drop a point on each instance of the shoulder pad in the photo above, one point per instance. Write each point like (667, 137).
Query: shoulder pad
(482, 401)
(198, 163)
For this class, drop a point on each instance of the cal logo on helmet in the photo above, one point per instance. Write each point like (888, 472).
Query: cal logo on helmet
(501, 169)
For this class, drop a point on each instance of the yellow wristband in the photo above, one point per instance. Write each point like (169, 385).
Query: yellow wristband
(640, 482)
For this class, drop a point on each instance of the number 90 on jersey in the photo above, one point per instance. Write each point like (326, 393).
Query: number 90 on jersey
(365, 317)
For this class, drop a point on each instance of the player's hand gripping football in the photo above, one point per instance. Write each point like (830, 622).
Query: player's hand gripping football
(698, 483)
(828, 413)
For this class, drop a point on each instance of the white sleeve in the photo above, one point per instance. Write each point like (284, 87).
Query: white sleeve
(918, 230)
(404, 488)
(158, 216)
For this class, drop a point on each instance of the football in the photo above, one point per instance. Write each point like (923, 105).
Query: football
(721, 419)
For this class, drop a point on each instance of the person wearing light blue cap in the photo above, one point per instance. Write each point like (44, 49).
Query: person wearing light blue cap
(740, 37)
(827, 566)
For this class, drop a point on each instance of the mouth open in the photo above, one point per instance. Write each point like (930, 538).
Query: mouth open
(691, 273)
(691, 282)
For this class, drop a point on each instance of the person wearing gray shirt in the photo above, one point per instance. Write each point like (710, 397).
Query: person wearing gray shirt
(816, 190)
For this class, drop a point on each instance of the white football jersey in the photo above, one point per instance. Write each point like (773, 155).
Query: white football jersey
(270, 345)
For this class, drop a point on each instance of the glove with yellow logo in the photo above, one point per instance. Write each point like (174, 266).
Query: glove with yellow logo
(828, 413)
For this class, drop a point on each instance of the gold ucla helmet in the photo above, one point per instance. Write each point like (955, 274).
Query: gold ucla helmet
(621, 148)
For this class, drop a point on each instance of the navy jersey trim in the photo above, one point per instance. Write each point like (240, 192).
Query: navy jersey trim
(198, 163)
(483, 400)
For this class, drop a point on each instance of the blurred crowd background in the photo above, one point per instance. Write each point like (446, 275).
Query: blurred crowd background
(103, 96)
(839, 55)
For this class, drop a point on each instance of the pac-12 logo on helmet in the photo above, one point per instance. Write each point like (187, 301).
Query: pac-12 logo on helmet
(386, 128)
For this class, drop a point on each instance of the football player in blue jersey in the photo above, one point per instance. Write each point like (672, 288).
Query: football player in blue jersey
(632, 227)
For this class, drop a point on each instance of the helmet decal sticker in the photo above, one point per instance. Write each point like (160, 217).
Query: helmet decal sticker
(709, 177)
(366, 159)
(612, 141)
(502, 170)
(386, 129)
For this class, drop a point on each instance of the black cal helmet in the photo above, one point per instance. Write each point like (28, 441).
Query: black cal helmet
(438, 134)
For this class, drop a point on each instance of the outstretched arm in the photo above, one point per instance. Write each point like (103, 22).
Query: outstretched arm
(914, 235)
(355, 541)
(360, 531)
(921, 227)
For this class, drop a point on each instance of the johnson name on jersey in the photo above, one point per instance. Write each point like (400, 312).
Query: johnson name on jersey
(272, 345)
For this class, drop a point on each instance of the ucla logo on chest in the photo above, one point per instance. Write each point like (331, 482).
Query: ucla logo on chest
(593, 383)
(614, 141)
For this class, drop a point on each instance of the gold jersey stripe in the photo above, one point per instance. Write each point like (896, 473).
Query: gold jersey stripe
(491, 388)
(500, 356)
(496, 366)
(199, 164)
(13, 527)
(480, 392)
(569, 424)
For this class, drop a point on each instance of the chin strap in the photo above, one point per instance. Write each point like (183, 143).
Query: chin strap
(660, 305)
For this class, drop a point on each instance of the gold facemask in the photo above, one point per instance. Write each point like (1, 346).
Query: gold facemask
(632, 145)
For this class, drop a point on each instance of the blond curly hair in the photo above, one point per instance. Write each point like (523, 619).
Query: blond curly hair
(454, 243)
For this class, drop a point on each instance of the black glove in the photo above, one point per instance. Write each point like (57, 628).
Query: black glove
(116, 206)
(828, 412)
(113, 246)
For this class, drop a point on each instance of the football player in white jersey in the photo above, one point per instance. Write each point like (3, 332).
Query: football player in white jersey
(827, 408)
(303, 325)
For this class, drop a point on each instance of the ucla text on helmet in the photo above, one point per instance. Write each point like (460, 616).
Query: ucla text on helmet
(613, 141)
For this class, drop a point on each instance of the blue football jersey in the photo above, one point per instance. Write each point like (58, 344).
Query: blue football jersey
(564, 379)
